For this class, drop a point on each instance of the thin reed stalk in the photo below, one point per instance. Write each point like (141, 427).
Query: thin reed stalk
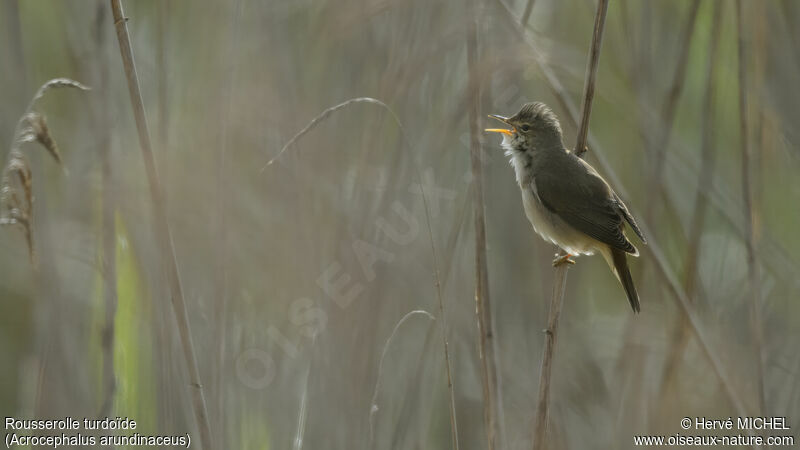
(221, 229)
(747, 195)
(545, 374)
(162, 229)
(443, 327)
(483, 305)
(109, 268)
(108, 201)
(526, 14)
(162, 83)
(667, 119)
(790, 21)
(704, 183)
(560, 276)
(166, 398)
(373, 406)
(302, 413)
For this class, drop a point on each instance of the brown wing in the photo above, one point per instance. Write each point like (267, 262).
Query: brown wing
(584, 200)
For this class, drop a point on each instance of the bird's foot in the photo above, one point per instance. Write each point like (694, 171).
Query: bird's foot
(562, 259)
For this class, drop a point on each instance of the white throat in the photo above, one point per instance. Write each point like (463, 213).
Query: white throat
(517, 160)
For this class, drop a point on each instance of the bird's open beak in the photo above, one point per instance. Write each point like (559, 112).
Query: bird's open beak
(501, 130)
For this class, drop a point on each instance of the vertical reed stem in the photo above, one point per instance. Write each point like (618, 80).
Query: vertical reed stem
(704, 183)
(560, 277)
(108, 202)
(483, 306)
(162, 229)
(442, 325)
(747, 195)
(667, 119)
(221, 230)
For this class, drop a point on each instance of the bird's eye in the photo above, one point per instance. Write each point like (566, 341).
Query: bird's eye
(525, 128)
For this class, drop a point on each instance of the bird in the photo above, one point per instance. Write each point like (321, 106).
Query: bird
(565, 199)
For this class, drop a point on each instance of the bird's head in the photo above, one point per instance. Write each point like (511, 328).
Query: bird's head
(533, 128)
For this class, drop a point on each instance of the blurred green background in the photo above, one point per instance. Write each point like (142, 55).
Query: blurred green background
(296, 274)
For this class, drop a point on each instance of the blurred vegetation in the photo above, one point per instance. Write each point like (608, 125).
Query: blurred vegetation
(287, 364)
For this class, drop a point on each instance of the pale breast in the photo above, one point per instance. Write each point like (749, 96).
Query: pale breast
(546, 223)
(552, 228)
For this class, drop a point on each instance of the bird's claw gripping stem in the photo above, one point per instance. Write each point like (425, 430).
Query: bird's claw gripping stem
(563, 259)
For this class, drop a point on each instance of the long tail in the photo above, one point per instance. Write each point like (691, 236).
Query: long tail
(622, 272)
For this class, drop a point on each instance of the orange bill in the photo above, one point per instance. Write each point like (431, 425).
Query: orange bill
(500, 130)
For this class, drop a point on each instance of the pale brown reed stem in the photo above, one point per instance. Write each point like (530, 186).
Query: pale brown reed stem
(747, 195)
(442, 321)
(483, 305)
(560, 277)
(162, 229)
(704, 183)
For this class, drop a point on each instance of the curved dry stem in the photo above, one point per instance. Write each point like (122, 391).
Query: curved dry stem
(373, 408)
(324, 115)
(55, 83)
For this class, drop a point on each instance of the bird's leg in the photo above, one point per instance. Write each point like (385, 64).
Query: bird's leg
(562, 259)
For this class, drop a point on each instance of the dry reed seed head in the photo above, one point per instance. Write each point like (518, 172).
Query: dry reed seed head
(37, 130)
(6, 194)
(19, 166)
(17, 174)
